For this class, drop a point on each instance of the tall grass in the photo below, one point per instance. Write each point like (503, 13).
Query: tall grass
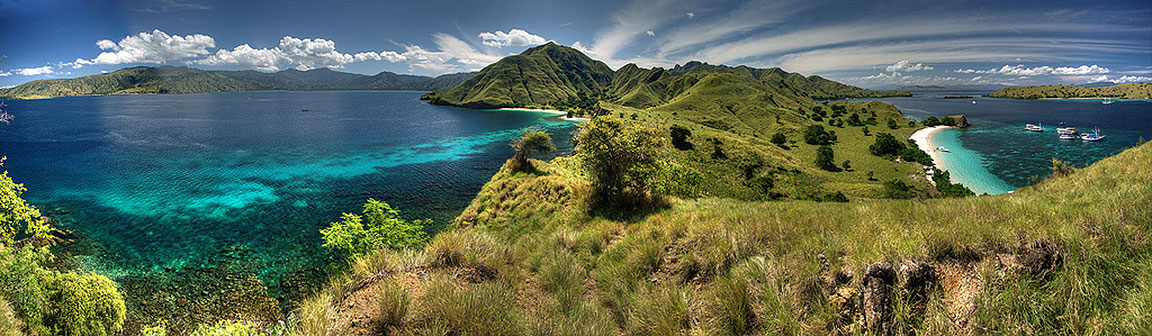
(482, 309)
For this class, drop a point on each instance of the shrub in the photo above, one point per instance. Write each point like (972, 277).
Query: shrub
(482, 309)
(16, 215)
(846, 165)
(885, 144)
(866, 131)
(1061, 168)
(825, 158)
(618, 153)
(531, 141)
(945, 186)
(87, 304)
(779, 139)
(384, 228)
(227, 328)
(393, 303)
(815, 135)
(930, 121)
(680, 136)
(662, 311)
(897, 189)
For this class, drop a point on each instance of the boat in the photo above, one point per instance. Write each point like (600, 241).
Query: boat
(1092, 136)
(1108, 102)
(1067, 130)
(973, 102)
(1067, 136)
(1034, 128)
(941, 149)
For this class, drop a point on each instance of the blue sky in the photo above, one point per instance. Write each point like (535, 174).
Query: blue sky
(871, 44)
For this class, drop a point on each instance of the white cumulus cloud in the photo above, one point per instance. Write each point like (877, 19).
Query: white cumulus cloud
(1081, 70)
(303, 53)
(1021, 70)
(1123, 79)
(37, 71)
(246, 56)
(906, 65)
(513, 38)
(154, 47)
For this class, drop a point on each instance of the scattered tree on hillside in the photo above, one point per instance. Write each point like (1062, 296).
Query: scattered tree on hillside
(779, 139)
(680, 136)
(618, 154)
(815, 135)
(531, 141)
(826, 158)
(885, 144)
(892, 124)
(930, 121)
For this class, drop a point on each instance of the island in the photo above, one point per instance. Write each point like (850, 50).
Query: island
(1118, 91)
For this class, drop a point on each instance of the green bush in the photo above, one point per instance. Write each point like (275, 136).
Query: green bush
(897, 189)
(825, 158)
(779, 139)
(885, 144)
(9, 324)
(618, 153)
(384, 228)
(227, 328)
(815, 135)
(531, 141)
(26, 285)
(87, 304)
(680, 136)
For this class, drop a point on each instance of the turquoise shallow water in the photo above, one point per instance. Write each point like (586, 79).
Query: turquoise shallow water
(161, 182)
(996, 156)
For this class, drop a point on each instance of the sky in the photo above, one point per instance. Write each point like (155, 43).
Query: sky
(872, 44)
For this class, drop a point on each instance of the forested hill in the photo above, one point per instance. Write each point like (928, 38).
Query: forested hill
(169, 79)
(555, 76)
(1122, 91)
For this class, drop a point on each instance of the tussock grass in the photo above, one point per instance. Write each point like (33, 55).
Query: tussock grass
(482, 309)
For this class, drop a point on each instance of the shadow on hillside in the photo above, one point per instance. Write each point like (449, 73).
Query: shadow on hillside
(628, 208)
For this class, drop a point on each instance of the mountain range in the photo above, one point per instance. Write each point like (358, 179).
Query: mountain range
(171, 79)
(555, 76)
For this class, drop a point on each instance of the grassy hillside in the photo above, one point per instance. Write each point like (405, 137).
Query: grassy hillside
(168, 79)
(1070, 255)
(554, 76)
(537, 76)
(1122, 91)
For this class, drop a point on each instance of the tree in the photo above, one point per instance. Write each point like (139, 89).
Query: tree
(892, 124)
(930, 121)
(532, 140)
(948, 121)
(680, 136)
(847, 165)
(866, 131)
(815, 135)
(825, 158)
(16, 215)
(619, 154)
(885, 144)
(854, 120)
(87, 304)
(961, 121)
(779, 139)
(384, 229)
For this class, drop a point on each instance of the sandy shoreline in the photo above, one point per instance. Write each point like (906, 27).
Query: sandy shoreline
(563, 115)
(923, 138)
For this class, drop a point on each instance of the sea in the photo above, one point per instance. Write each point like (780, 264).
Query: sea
(155, 183)
(995, 155)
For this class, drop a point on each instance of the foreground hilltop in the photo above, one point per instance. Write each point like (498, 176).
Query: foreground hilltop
(169, 79)
(1119, 91)
(555, 76)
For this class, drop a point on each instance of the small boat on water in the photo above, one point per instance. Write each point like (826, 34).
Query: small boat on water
(941, 149)
(1034, 128)
(1067, 136)
(973, 102)
(1108, 102)
(1067, 130)
(1092, 136)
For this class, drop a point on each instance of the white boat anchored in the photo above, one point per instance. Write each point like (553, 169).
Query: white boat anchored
(941, 149)
(1034, 128)
(1067, 130)
(1067, 136)
(1092, 136)
(1108, 102)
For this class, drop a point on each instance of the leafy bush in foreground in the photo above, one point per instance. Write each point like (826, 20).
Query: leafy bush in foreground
(384, 228)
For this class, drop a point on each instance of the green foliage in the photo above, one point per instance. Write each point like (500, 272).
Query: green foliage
(384, 229)
(228, 328)
(779, 139)
(9, 324)
(892, 124)
(159, 329)
(825, 158)
(897, 189)
(1061, 168)
(815, 135)
(680, 136)
(885, 144)
(945, 186)
(618, 154)
(930, 122)
(16, 215)
(531, 141)
(87, 304)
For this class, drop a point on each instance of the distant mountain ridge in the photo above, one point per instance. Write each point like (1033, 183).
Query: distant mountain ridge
(1122, 91)
(171, 79)
(551, 75)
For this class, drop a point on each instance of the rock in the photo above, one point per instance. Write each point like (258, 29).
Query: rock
(875, 307)
(1041, 258)
(917, 277)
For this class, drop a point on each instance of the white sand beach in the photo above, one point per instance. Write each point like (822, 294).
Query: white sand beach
(923, 138)
(563, 115)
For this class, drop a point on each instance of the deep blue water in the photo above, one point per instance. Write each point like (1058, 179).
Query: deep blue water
(163, 181)
(997, 156)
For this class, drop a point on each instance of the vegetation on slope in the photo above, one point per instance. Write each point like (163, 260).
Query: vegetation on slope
(1122, 91)
(1070, 255)
(554, 76)
(169, 79)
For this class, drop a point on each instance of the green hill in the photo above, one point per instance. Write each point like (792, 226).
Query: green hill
(1119, 91)
(168, 79)
(554, 76)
